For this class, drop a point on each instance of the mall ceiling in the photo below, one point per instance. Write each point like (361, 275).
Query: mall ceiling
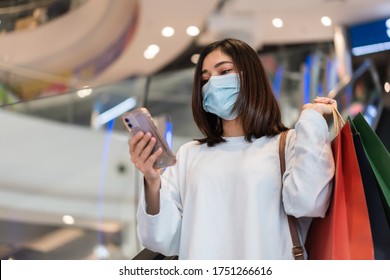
(67, 39)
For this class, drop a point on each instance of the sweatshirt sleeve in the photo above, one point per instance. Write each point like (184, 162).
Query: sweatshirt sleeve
(161, 232)
(309, 167)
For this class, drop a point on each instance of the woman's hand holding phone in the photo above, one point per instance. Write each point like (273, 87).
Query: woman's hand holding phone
(141, 147)
(140, 120)
(149, 152)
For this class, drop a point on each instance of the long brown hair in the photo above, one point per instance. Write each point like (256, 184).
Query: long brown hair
(256, 103)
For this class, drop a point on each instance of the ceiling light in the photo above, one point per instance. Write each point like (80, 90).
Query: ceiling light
(115, 111)
(277, 22)
(192, 31)
(68, 220)
(326, 21)
(195, 58)
(84, 92)
(168, 31)
(151, 51)
(387, 87)
(388, 27)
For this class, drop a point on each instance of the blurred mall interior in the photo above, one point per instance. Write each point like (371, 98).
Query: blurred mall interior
(70, 68)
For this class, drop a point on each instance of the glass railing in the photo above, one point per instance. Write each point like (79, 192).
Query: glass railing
(297, 77)
(79, 186)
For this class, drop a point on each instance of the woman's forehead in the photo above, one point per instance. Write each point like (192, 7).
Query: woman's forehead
(214, 57)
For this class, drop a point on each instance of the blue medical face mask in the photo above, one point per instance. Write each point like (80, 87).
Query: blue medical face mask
(220, 94)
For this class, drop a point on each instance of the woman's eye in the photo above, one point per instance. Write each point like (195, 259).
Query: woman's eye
(224, 72)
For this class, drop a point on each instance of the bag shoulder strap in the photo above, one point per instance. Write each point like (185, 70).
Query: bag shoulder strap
(297, 249)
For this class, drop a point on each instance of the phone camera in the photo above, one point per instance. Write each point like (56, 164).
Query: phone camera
(128, 123)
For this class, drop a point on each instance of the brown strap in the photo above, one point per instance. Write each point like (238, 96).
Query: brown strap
(297, 249)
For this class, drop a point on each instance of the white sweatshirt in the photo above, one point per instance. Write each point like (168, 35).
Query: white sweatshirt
(226, 201)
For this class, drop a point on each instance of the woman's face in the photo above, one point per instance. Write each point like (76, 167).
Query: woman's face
(216, 63)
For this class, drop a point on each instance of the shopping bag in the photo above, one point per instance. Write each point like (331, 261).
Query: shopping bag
(378, 157)
(344, 232)
(380, 227)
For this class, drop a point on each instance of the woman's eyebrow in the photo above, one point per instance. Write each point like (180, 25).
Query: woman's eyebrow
(217, 65)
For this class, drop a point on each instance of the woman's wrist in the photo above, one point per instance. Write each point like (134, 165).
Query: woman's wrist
(152, 183)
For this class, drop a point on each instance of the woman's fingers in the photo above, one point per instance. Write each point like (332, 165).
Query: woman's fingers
(153, 157)
(325, 100)
(134, 140)
(141, 151)
(321, 105)
(139, 143)
(145, 146)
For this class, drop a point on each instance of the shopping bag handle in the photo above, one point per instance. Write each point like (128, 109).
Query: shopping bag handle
(338, 120)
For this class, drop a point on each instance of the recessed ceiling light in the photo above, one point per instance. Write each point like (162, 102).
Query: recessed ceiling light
(326, 21)
(387, 87)
(168, 31)
(151, 51)
(68, 219)
(277, 22)
(192, 30)
(195, 58)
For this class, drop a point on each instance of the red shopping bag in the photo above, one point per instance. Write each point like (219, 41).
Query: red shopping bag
(344, 233)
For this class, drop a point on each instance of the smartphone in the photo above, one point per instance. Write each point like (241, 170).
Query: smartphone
(141, 120)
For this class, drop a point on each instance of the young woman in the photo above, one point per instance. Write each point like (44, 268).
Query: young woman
(223, 199)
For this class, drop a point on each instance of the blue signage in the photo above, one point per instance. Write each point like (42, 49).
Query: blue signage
(370, 37)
